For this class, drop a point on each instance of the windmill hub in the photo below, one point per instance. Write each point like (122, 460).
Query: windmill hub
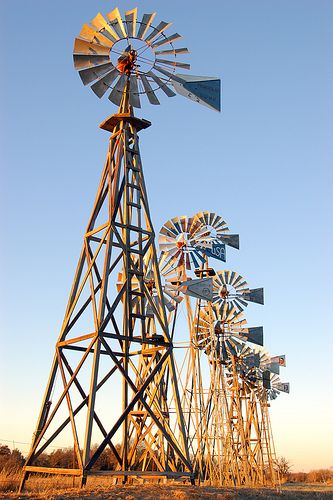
(223, 292)
(132, 56)
(218, 329)
(127, 62)
(182, 241)
(150, 284)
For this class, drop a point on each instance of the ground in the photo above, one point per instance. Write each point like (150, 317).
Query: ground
(178, 491)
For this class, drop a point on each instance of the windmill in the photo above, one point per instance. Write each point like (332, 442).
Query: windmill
(186, 244)
(107, 380)
(223, 334)
(228, 428)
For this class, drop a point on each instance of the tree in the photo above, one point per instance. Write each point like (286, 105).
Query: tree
(320, 476)
(10, 461)
(283, 467)
(63, 458)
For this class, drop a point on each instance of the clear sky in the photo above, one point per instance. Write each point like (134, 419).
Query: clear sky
(264, 164)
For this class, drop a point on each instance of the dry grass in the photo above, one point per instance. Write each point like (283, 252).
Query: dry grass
(61, 488)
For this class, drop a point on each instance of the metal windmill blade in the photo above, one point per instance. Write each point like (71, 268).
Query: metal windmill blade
(231, 288)
(227, 325)
(272, 386)
(170, 288)
(244, 364)
(218, 231)
(219, 331)
(212, 335)
(177, 243)
(139, 58)
(213, 237)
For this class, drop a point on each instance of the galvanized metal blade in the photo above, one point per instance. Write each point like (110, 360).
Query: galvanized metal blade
(194, 260)
(238, 278)
(232, 277)
(173, 260)
(91, 35)
(239, 302)
(117, 91)
(202, 89)
(83, 61)
(167, 247)
(169, 305)
(161, 84)
(211, 218)
(102, 85)
(149, 91)
(167, 236)
(183, 50)
(145, 22)
(231, 313)
(116, 23)
(173, 63)
(187, 261)
(166, 242)
(84, 47)
(173, 224)
(226, 276)
(242, 288)
(173, 295)
(219, 223)
(170, 227)
(253, 360)
(204, 217)
(172, 77)
(171, 251)
(131, 18)
(169, 39)
(91, 74)
(162, 26)
(134, 97)
(100, 23)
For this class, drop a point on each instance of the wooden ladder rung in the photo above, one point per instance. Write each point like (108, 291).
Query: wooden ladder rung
(135, 205)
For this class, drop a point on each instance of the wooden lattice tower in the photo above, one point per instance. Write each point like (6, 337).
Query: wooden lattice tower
(114, 358)
(227, 424)
(137, 344)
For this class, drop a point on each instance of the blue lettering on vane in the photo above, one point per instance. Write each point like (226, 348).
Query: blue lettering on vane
(217, 251)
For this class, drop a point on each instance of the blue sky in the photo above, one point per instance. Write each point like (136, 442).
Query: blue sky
(264, 164)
